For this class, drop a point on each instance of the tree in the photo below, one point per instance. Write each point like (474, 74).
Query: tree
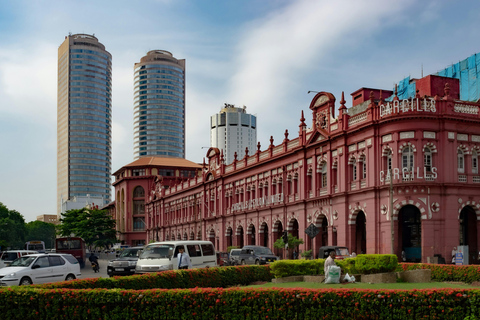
(43, 231)
(293, 242)
(94, 226)
(12, 228)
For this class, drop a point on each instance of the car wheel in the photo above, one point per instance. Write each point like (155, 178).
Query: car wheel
(257, 262)
(26, 281)
(243, 262)
(70, 277)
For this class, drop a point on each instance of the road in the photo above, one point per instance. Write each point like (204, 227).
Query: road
(87, 272)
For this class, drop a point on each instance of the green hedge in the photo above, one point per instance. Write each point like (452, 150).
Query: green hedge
(363, 264)
(236, 303)
(445, 272)
(376, 263)
(207, 277)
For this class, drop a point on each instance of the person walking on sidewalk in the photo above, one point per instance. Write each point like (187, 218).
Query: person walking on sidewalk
(183, 259)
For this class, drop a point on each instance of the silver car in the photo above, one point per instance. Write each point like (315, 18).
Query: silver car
(40, 268)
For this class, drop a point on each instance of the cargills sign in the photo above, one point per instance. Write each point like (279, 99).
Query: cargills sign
(408, 105)
(253, 203)
(409, 173)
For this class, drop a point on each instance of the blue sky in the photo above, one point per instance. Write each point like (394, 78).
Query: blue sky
(264, 54)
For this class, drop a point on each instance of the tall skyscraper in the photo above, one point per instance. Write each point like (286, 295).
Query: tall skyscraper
(232, 130)
(84, 119)
(159, 106)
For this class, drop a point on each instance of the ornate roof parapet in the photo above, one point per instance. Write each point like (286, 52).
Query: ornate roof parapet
(257, 154)
(285, 141)
(302, 130)
(270, 147)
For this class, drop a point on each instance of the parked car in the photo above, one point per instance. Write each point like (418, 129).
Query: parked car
(40, 268)
(9, 256)
(125, 263)
(340, 252)
(234, 254)
(256, 255)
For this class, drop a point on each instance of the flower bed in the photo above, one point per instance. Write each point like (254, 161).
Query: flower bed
(444, 272)
(236, 303)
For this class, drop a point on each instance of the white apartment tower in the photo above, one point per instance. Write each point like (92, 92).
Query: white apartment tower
(159, 106)
(232, 130)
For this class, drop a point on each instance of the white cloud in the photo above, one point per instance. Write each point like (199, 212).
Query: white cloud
(29, 81)
(278, 52)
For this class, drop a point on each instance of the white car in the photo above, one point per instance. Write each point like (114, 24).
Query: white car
(40, 268)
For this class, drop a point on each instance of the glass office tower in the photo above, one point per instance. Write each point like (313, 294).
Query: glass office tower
(159, 106)
(84, 120)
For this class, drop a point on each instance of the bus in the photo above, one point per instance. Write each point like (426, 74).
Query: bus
(74, 246)
(35, 245)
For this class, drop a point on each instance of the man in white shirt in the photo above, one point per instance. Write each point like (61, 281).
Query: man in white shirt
(329, 262)
(183, 259)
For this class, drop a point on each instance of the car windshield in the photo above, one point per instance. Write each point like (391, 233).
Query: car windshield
(130, 253)
(9, 256)
(24, 261)
(341, 252)
(156, 251)
(263, 251)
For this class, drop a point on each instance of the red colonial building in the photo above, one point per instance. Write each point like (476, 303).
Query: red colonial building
(134, 186)
(413, 160)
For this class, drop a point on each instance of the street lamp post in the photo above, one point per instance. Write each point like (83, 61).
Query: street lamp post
(391, 213)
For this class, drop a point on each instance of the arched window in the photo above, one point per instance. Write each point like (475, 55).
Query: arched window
(389, 160)
(138, 192)
(138, 200)
(460, 161)
(354, 169)
(474, 162)
(427, 159)
(407, 158)
(363, 159)
(324, 175)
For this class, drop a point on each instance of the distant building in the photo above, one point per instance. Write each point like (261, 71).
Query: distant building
(84, 120)
(49, 218)
(82, 202)
(159, 106)
(232, 131)
(135, 185)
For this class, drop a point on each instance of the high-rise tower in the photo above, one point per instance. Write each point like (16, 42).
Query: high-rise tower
(159, 106)
(84, 120)
(232, 130)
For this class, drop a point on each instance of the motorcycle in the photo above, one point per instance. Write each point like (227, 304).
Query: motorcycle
(95, 267)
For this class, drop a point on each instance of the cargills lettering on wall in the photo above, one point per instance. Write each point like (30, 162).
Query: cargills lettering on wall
(408, 105)
(409, 173)
(253, 203)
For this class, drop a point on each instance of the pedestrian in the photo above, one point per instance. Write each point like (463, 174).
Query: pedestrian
(183, 259)
(330, 261)
(454, 253)
(295, 255)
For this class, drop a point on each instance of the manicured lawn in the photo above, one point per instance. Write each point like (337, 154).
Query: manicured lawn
(359, 285)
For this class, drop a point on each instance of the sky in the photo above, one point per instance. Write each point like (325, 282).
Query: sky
(264, 54)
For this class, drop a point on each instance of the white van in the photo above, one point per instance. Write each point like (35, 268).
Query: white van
(162, 256)
(8, 256)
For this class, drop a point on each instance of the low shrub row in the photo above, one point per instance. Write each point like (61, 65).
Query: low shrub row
(236, 303)
(363, 264)
(206, 278)
(445, 272)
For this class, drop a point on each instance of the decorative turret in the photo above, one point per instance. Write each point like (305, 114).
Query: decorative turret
(342, 108)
